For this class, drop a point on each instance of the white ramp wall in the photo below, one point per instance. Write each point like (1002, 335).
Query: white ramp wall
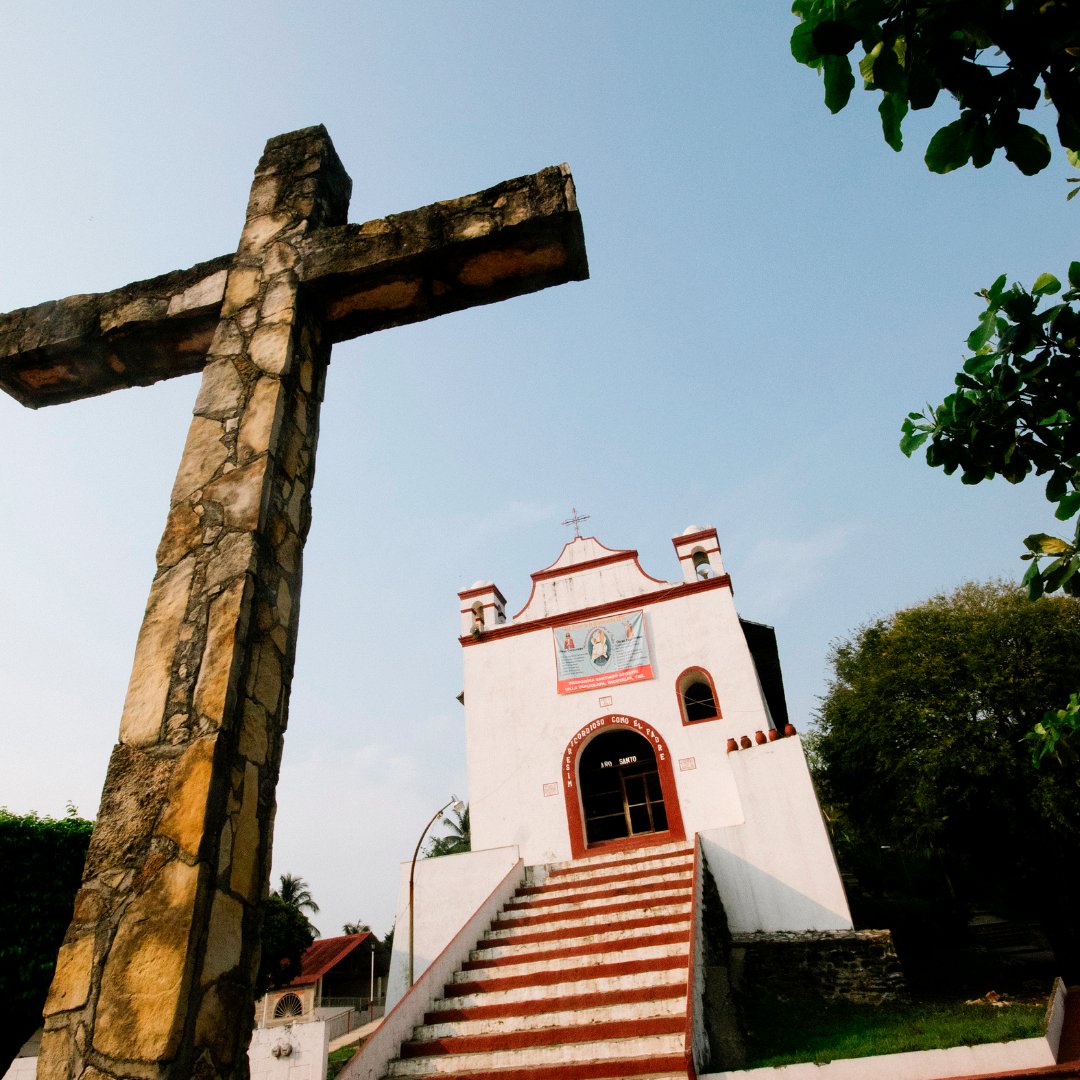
(448, 891)
(776, 870)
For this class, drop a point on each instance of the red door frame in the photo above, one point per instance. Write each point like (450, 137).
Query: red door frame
(574, 820)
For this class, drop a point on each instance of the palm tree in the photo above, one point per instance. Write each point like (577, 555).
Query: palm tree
(295, 892)
(458, 836)
(356, 928)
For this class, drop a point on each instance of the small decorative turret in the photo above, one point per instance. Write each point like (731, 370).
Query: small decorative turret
(482, 607)
(699, 553)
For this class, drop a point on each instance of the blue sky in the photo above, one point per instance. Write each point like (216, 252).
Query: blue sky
(772, 290)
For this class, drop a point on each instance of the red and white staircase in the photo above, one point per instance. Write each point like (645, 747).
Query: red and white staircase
(583, 975)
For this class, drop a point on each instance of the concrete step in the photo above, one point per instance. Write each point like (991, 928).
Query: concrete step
(645, 1048)
(636, 856)
(671, 1067)
(617, 871)
(626, 922)
(441, 1026)
(502, 950)
(627, 952)
(529, 1039)
(523, 1002)
(543, 895)
(648, 902)
(583, 976)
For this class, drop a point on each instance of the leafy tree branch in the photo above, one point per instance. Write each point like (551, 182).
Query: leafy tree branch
(996, 58)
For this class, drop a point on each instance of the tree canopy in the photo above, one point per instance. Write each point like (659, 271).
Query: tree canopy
(286, 932)
(43, 863)
(920, 740)
(996, 58)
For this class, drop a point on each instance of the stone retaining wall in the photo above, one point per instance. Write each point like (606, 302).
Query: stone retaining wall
(859, 966)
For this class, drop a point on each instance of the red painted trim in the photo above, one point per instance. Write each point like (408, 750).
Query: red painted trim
(606, 1069)
(571, 756)
(614, 551)
(592, 948)
(568, 1003)
(577, 868)
(552, 1036)
(541, 894)
(479, 590)
(687, 556)
(554, 571)
(565, 933)
(695, 670)
(663, 900)
(693, 538)
(537, 903)
(566, 975)
(691, 1002)
(673, 592)
(588, 564)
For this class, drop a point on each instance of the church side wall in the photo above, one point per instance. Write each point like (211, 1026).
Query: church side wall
(519, 726)
(776, 870)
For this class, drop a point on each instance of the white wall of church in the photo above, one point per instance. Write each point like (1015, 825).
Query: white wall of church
(776, 870)
(518, 726)
(447, 892)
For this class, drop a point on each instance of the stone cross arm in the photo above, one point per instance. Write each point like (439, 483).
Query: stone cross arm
(517, 237)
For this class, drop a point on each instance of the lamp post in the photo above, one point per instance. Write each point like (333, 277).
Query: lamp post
(457, 807)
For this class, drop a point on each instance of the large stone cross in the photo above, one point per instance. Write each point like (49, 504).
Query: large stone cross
(155, 976)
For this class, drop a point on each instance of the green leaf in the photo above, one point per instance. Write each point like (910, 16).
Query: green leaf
(950, 148)
(1028, 150)
(893, 109)
(866, 64)
(1074, 274)
(1042, 544)
(911, 441)
(839, 82)
(981, 334)
(1067, 506)
(802, 45)
(981, 362)
(1073, 158)
(1045, 283)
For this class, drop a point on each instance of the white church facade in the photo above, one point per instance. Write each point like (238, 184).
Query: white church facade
(628, 748)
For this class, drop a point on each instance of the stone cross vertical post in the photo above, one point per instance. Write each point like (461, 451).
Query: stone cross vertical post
(155, 976)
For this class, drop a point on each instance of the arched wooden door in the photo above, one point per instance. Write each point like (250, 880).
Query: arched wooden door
(620, 789)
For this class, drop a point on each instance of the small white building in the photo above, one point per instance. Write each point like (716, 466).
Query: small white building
(616, 711)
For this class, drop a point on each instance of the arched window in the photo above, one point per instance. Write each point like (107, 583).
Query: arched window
(478, 618)
(288, 1005)
(697, 696)
(702, 567)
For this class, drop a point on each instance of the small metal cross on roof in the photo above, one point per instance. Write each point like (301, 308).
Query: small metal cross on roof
(576, 519)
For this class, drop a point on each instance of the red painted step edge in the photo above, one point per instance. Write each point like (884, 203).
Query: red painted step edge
(618, 1069)
(598, 894)
(663, 900)
(629, 860)
(567, 1003)
(568, 975)
(564, 932)
(598, 948)
(553, 1036)
(637, 873)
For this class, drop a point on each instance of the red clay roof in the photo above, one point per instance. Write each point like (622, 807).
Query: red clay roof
(324, 954)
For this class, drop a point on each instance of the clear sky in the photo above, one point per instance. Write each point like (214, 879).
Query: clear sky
(772, 290)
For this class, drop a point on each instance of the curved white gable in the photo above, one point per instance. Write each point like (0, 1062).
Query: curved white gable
(584, 575)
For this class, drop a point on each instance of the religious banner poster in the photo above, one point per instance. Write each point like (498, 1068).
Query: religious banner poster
(590, 656)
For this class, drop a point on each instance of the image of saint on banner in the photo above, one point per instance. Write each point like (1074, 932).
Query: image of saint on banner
(590, 656)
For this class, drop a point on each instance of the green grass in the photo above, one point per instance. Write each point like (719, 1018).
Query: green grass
(337, 1059)
(782, 1033)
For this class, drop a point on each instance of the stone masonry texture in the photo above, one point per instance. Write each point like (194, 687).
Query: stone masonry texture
(155, 976)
